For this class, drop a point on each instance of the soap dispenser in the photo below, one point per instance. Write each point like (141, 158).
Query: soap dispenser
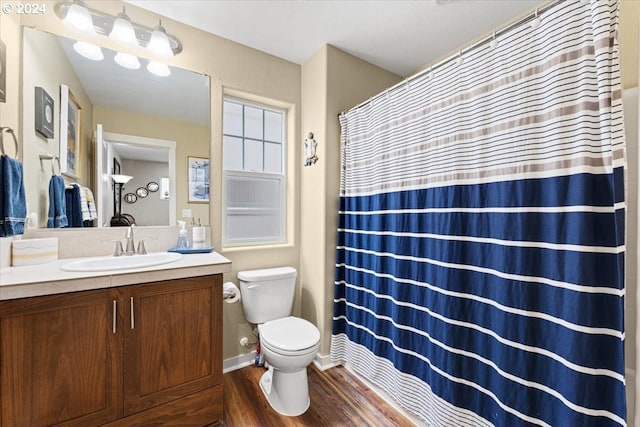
(183, 241)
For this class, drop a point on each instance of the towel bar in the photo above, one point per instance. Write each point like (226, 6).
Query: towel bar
(51, 157)
(7, 129)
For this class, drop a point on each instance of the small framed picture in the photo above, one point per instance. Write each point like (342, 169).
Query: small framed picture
(70, 133)
(198, 170)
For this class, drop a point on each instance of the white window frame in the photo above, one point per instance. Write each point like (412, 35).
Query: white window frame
(282, 178)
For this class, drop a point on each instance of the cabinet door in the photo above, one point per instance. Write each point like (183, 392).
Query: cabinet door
(172, 340)
(60, 360)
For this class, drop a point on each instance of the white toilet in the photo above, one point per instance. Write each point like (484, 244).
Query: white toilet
(289, 344)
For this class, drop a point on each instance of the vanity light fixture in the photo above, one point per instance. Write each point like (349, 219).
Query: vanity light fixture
(103, 23)
(121, 29)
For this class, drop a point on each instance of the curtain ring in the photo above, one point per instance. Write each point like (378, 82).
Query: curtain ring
(15, 140)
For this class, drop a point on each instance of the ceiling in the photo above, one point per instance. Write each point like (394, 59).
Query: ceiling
(398, 35)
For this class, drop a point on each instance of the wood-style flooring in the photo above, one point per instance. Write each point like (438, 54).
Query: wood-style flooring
(338, 399)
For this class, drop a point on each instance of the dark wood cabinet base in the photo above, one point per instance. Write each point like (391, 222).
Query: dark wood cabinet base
(199, 409)
(139, 355)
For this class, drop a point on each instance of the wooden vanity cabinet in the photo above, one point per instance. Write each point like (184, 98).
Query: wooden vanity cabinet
(66, 360)
(60, 362)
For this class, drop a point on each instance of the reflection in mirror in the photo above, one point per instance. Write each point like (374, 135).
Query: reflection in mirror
(144, 112)
(147, 161)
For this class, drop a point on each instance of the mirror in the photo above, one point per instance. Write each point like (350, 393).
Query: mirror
(140, 115)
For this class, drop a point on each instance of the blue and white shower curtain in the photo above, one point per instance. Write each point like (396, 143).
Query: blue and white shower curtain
(480, 257)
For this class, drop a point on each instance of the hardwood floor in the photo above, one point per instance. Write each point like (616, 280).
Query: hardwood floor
(338, 399)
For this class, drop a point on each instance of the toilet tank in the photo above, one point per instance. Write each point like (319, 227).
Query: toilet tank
(267, 294)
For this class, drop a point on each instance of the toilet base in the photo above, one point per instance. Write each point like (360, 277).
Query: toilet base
(286, 392)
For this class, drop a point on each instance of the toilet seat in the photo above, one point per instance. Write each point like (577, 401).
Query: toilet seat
(289, 335)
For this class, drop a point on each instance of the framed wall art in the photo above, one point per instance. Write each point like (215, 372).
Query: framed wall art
(70, 133)
(44, 110)
(198, 170)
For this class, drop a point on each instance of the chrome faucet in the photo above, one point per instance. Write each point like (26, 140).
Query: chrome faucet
(131, 246)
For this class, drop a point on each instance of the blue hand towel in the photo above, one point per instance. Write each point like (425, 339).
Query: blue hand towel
(74, 210)
(57, 206)
(13, 202)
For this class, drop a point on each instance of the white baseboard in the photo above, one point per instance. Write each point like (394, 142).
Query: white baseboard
(237, 362)
(324, 362)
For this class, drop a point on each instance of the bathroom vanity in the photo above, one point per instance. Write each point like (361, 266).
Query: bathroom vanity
(135, 347)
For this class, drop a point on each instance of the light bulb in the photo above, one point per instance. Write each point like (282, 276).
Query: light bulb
(159, 43)
(122, 30)
(127, 60)
(88, 50)
(79, 18)
(159, 69)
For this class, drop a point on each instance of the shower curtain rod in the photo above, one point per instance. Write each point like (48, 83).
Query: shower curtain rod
(528, 17)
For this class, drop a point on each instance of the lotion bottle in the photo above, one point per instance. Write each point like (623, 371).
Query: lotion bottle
(198, 238)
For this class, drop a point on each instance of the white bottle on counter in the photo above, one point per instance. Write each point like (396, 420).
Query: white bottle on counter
(198, 240)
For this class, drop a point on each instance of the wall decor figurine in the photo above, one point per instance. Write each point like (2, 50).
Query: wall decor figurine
(310, 155)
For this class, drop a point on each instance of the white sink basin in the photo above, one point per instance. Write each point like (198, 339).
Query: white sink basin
(123, 262)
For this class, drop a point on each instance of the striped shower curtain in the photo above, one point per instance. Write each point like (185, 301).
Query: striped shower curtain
(479, 273)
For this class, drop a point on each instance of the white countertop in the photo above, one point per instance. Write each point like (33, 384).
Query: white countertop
(49, 279)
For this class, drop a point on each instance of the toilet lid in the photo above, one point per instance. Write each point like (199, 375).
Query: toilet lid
(289, 333)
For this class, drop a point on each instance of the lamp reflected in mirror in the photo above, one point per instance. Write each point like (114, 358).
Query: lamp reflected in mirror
(120, 219)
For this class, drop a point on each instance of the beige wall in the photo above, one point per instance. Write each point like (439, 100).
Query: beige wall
(11, 36)
(628, 38)
(46, 66)
(191, 140)
(332, 81)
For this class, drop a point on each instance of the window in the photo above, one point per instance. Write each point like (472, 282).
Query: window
(253, 173)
